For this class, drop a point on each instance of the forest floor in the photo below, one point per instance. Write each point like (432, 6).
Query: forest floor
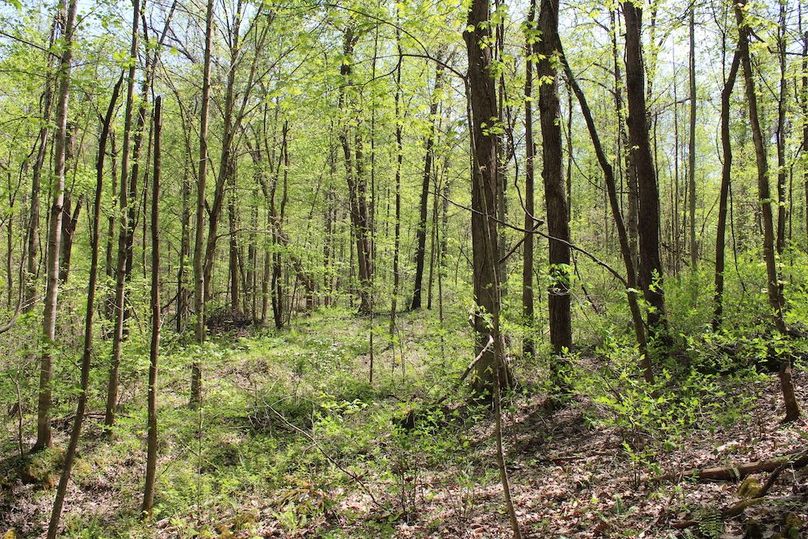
(292, 442)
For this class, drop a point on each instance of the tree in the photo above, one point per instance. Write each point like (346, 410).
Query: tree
(774, 290)
(650, 271)
(199, 236)
(528, 346)
(154, 348)
(87, 353)
(68, 10)
(554, 187)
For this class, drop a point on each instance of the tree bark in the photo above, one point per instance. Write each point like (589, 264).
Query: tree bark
(554, 187)
(691, 148)
(650, 271)
(723, 201)
(68, 11)
(154, 348)
(87, 353)
(528, 344)
(774, 290)
(199, 237)
(484, 123)
(426, 180)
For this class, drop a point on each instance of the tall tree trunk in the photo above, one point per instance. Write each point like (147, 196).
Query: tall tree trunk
(484, 237)
(554, 188)
(87, 353)
(650, 271)
(805, 121)
(426, 180)
(354, 175)
(774, 290)
(780, 134)
(32, 237)
(397, 227)
(128, 215)
(226, 156)
(490, 370)
(43, 439)
(199, 237)
(528, 345)
(726, 180)
(154, 348)
(691, 148)
(623, 144)
(622, 234)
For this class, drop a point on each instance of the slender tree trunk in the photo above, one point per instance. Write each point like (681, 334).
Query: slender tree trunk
(43, 439)
(87, 353)
(426, 180)
(154, 349)
(726, 180)
(32, 238)
(528, 345)
(354, 175)
(199, 237)
(691, 148)
(397, 227)
(775, 291)
(780, 134)
(650, 271)
(805, 122)
(128, 216)
(70, 221)
(554, 188)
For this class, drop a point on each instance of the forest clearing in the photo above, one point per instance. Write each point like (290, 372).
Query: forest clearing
(425, 268)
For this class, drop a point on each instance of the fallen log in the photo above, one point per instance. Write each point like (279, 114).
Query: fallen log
(737, 472)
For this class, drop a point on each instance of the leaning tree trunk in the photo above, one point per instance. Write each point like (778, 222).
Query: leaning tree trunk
(43, 439)
(774, 290)
(650, 271)
(622, 234)
(554, 188)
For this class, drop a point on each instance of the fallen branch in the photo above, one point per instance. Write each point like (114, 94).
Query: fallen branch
(737, 472)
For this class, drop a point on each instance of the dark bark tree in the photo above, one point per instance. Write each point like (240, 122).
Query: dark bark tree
(397, 226)
(780, 133)
(691, 146)
(426, 180)
(774, 290)
(650, 271)
(622, 233)
(528, 345)
(154, 348)
(554, 186)
(726, 180)
(354, 173)
(484, 237)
